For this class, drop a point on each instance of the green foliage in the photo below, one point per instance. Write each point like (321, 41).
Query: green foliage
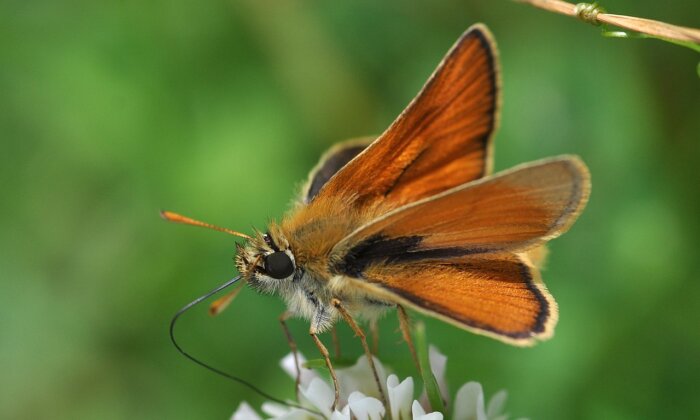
(316, 364)
(321, 363)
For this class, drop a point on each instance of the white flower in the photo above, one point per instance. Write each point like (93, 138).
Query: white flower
(400, 396)
(438, 364)
(359, 397)
(419, 413)
(469, 404)
(245, 412)
(364, 407)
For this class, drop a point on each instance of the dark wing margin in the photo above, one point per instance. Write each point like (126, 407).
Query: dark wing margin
(331, 162)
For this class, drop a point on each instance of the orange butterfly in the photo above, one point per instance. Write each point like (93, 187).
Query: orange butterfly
(414, 218)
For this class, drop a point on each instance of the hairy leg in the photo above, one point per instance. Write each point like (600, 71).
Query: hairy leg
(336, 342)
(405, 325)
(358, 331)
(374, 331)
(326, 357)
(293, 346)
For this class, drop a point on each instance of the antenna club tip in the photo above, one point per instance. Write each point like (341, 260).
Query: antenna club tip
(169, 216)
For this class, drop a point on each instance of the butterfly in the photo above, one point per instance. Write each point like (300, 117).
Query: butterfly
(414, 218)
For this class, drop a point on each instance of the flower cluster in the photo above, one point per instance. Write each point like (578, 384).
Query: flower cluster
(359, 397)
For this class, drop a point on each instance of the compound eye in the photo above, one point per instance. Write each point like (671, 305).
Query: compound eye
(279, 265)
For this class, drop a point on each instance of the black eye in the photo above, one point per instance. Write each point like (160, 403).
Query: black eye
(278, 265)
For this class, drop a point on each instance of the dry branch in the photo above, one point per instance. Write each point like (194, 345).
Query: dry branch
(592, 14)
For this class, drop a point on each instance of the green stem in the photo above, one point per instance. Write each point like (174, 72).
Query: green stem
(431, 385)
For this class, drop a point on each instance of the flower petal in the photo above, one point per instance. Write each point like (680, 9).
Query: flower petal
(341, 415)
(496, 404)
(320, 395)
(305, 375)
(274, 409)
(282, 412)
(469, 403)
(400, 397)
(430, 416)
(438, 364)
(365, 408)
(359, 377)
(419, 413)
(297, 414)
(417, 409)
(245, 412)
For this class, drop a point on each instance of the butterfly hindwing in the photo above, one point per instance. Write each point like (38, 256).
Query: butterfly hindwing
(512, 211)
(497, 295)
(330, 163)
(441, 140)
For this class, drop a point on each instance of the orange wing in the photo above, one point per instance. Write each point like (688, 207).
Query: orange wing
(499, 295)
(330, 163)
(461, 255)
(513, 211)
(440, 141)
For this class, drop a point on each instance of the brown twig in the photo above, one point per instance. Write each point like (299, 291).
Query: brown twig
(592, 14)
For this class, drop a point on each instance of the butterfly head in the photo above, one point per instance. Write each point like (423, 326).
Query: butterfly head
(266, 261)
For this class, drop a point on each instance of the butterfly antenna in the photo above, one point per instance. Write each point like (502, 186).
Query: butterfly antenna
(213, 369)
(178, 218)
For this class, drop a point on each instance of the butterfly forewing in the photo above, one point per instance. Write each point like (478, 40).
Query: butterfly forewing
(440, 141)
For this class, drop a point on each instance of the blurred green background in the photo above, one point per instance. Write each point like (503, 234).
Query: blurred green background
(110, 111)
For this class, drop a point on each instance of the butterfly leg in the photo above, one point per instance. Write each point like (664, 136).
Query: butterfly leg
(222, 303)
(326, 356)
(293, 347)
(374, 331)
(359, 333)
(336, 342)
(405, 325)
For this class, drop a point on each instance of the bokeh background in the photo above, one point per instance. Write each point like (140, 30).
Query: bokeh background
(110, 111)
